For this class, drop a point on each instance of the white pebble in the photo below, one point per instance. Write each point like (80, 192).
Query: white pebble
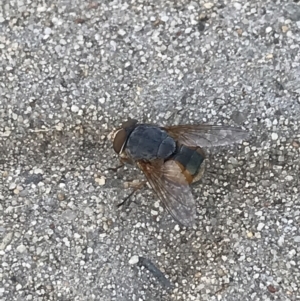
(88, 211)
(258, 213)
(89, 250)
(156, 204)
(224, 258)
(164, 18)
(18, 287)
(113, 45)
(291, 253)
(122, 32)
(66, 241)
(247, 149)
(297, 238)
(208, 5)
(6, 133)
(21, 248)
(154, 212)
(268, 29)
(47, 31)
(57, 48)
(134, 259)
(100, 181)
(249, 234)
(274, 136)
(280, 241)
(38, 171)
(237, 5)
(260, 226)
(257, 235)
(74, 109)
(12, 186)
(59, 126)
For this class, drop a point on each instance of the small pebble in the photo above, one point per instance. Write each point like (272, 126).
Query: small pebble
(47, 31)
(249, 234)
(268, 29)
(100, 181)
(237, 5)
(164, 18)
(280, 241)
(297, 239)
(269, 56)
(21, 248)
(271, 288)
(208, 5)
(260, 226)
(122, 32)
(12, 186)
(38, 171)
(61, 196)
(154, 212)
(133, 260)
(274, 136)
(74, 109)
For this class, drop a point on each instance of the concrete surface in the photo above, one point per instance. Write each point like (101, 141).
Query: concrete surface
(71, 72)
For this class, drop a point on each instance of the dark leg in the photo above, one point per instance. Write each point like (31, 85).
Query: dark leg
(136, 187)
(115, 169)
(126, 199)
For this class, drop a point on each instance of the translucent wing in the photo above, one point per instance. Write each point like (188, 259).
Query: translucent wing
(205, 135)
(172, 189)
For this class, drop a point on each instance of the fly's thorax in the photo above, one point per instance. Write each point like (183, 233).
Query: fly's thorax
(148, 142)
(191, 162)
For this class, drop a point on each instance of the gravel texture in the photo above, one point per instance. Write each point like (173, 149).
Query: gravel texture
(71, 72)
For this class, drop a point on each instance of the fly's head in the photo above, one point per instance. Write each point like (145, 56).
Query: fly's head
(120, 137)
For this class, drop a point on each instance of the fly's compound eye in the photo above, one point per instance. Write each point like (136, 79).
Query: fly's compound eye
(119, 140)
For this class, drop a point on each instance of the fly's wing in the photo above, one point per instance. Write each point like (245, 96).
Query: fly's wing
(205, 135)
(172, 189)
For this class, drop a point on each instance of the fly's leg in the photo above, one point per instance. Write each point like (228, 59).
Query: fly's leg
(135, 185)
(122, 163)
(115, 169)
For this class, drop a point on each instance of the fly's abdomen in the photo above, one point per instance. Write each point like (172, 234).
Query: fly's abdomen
(190, 160)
